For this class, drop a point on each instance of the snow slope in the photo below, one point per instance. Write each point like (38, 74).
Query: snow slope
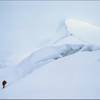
(48, 54)
(44, 56)
(37, 59)
(74, 76)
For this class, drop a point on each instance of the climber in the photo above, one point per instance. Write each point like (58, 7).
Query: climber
(4, 83)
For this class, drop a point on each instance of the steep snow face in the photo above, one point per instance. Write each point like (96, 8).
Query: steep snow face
(84, 31)
(37, 59)
(44, 56)
(75, 76)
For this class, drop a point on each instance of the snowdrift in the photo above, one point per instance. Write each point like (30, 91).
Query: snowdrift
(66, 68)
(44, 56)
(74, 76)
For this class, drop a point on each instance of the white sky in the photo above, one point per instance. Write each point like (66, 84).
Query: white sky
(25, 25)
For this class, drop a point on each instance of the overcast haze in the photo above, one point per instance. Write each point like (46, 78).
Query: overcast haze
(26, 25)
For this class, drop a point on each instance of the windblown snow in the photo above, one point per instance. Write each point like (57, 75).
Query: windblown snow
(74, 76)
(68, 68)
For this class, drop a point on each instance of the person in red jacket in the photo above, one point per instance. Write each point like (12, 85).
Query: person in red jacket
(4, 83)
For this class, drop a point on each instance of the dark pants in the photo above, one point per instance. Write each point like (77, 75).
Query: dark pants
(3, 86)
